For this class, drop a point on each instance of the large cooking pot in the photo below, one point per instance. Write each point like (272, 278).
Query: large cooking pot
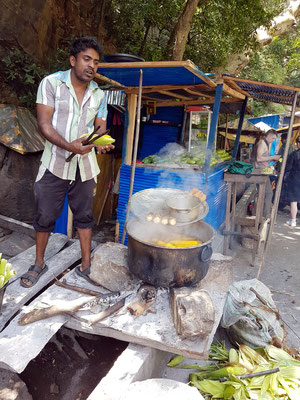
(168, 266)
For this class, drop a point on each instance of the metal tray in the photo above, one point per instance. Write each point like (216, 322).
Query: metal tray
(154, 201)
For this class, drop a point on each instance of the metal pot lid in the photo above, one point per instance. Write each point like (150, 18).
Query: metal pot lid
(155, 201)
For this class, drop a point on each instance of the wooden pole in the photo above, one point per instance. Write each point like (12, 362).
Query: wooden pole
(226, 131)
(279, 184)
(136, 142)
(132, 100)
(239, 129)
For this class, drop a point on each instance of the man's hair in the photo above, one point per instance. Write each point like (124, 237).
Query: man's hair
(84, 43)
(284, 136)
(271, 132)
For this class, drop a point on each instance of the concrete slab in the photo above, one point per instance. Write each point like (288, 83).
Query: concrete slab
(157, 330)
(136, 363)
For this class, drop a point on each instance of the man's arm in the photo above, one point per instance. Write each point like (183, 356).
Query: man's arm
(261, 148)
(44, 118)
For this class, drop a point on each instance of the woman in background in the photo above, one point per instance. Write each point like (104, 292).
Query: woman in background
(293, 182)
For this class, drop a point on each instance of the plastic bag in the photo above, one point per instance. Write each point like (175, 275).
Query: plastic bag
(249, 321)
(240, 167)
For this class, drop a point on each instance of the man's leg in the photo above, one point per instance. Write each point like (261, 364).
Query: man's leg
(41, 239)
(85, 237)
(268, 199)
(49, 193)
(293, 210)
(80, 197)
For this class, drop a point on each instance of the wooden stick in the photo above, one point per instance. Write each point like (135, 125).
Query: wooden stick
(70, 307)
(76, 288)
(253, 374)
(135, 150)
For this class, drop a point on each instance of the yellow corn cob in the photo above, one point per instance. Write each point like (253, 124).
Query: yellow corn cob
(185, 243)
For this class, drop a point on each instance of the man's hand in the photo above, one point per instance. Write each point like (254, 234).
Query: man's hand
(77, 147)
(276, 157)
(105, 149)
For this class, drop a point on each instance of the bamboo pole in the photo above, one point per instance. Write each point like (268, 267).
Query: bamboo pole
(279, 184)
(136, 142)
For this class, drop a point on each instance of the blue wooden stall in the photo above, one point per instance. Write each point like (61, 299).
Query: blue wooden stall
(172, 86)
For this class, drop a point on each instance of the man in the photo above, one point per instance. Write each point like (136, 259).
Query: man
(69, 104)
(262, 160)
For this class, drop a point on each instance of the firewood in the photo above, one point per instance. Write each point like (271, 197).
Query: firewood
(70, 307)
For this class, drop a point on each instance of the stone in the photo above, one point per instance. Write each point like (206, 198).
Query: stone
(17, 177)
(109, 267)
(192, 311)
(12, 387)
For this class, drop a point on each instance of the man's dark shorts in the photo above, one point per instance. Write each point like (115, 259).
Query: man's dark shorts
(50, 192)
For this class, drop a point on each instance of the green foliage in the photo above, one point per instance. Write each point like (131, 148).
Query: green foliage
(219, 28)
(142, 27)
(279, 63)
(23, 74)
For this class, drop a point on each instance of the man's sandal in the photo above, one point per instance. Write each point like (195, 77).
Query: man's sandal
(85, 274)
(33, 278)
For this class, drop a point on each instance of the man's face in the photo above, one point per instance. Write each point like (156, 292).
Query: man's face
(85, 64)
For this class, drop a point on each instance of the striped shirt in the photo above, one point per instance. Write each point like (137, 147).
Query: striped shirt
(70, 121)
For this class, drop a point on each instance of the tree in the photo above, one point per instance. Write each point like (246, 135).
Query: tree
(277, 62)
(204, 31)
(182, 29)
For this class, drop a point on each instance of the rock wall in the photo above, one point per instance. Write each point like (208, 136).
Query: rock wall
(39, 26)
(17, 176)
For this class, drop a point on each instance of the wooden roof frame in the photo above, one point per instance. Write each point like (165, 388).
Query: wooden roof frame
(199, 93)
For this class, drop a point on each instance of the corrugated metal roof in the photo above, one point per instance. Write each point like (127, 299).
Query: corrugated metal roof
(264, 91)
(18, 129)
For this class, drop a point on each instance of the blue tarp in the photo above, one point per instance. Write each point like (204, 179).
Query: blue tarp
(154, 73)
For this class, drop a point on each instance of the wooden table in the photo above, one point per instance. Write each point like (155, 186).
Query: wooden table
(231, 220)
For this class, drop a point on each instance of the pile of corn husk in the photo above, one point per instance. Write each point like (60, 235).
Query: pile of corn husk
(234, 364)
(6, 271)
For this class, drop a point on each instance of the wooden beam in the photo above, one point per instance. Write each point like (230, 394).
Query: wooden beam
(157, 88)
(170, 103)
(171, 94)
(198, 93)
(108, 80)
(231, 92)
(17, 226)
(234, 86)
(131, 103)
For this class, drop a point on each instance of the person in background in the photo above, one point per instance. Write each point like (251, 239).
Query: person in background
(293, 182)
(283, 138)
(263, 160)
(69, 104)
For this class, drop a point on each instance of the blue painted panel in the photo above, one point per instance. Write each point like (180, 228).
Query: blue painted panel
(155, 137)
(62, 222)
(129, 76)
(172, 114)
(271, 120)
(147, 178)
